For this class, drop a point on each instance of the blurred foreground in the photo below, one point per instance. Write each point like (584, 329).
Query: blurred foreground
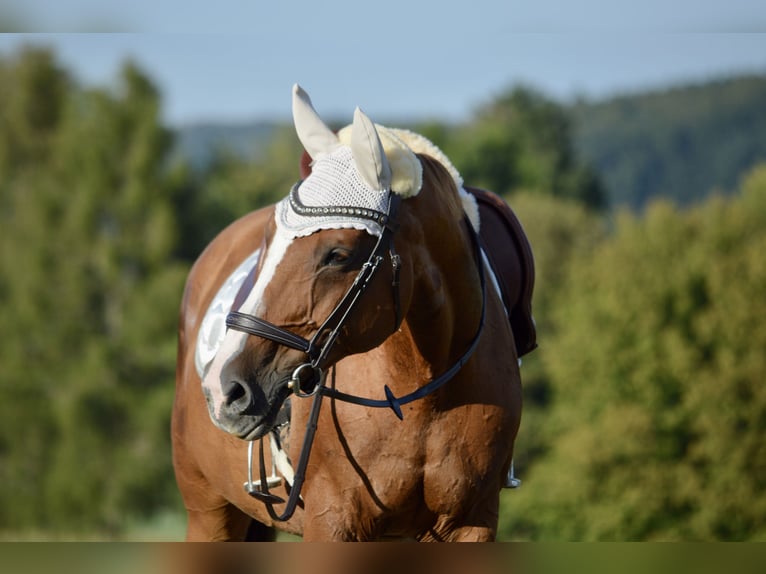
(380, 558)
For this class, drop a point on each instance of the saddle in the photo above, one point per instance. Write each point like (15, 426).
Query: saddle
(511, 259)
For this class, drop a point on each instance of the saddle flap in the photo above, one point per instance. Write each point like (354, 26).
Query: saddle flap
(510, 256)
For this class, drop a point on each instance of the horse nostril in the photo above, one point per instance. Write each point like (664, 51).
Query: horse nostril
(236, 394)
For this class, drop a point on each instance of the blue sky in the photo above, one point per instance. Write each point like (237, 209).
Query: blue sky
(235, 60)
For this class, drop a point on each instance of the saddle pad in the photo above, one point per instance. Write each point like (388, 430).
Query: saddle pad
(510, 256)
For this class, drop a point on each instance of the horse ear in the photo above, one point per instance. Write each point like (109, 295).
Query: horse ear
(369, 157)
(315, 136)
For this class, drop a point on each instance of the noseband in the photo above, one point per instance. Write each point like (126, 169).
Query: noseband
(307, 379)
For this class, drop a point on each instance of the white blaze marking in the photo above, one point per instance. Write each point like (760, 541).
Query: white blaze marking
(234, 341)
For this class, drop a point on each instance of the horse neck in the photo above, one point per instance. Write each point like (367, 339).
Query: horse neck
(444, 312)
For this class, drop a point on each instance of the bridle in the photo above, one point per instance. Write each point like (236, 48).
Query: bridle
(308, 379)
(321, 343)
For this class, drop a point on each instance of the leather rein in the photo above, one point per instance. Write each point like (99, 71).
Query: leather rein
(308, 379)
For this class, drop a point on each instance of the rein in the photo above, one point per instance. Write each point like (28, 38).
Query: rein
(318, 347)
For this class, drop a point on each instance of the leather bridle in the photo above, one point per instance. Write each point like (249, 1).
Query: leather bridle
(321, 343)
(307, 379)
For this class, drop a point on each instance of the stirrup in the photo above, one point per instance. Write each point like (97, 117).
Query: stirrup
(510, 480)
(253, 487)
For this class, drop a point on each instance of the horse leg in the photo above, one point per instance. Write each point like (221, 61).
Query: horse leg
(472, 534)
(210, 517)
(220, 523)
(479, 523)
(336, 523)
(259, 532)
(476, 523)
(441, 532)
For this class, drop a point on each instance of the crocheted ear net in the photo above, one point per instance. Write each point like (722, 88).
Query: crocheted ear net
(334, 182)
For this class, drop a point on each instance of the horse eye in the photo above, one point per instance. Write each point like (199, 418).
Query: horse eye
(337, 256)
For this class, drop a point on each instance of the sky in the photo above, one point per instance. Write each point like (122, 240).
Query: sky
(236, 60)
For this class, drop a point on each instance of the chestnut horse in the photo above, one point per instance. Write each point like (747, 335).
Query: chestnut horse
(366, 287)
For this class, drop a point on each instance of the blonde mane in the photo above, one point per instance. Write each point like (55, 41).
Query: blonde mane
(401, 146)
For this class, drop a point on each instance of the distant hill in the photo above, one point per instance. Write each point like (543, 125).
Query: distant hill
(681, 143)
(199, 143)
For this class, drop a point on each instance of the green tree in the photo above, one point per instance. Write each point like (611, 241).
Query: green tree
(656, 366)
(561, 231)
(32, 95)
(33, 90)
(91, 286)
(233, 186)
(522, 141)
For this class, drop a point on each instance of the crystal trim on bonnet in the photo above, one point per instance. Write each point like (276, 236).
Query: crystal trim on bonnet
(363, 213)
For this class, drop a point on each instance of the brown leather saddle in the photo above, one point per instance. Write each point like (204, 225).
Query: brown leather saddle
(510, 256)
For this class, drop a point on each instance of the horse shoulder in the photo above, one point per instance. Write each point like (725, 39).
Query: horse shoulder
(193, 437)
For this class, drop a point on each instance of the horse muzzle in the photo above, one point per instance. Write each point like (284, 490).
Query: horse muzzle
(247, 410)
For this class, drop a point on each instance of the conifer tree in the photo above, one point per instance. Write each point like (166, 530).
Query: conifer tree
(92, 287)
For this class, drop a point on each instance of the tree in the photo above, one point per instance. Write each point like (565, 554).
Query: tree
(560, 232)
(681, 143)
(656, 368)
(91, 286)
(32, 99)
(522, 141)
(233, 186)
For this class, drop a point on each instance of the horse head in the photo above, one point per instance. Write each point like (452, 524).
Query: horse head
(329, 239)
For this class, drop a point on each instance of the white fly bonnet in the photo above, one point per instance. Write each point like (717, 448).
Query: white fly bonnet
(355, 169)
(334, 181)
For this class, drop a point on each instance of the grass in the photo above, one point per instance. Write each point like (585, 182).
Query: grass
(169, 526)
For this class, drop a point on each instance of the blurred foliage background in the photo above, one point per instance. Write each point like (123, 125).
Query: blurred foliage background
(645, 408)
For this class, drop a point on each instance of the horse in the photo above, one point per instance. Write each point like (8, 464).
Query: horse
(354, 328)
